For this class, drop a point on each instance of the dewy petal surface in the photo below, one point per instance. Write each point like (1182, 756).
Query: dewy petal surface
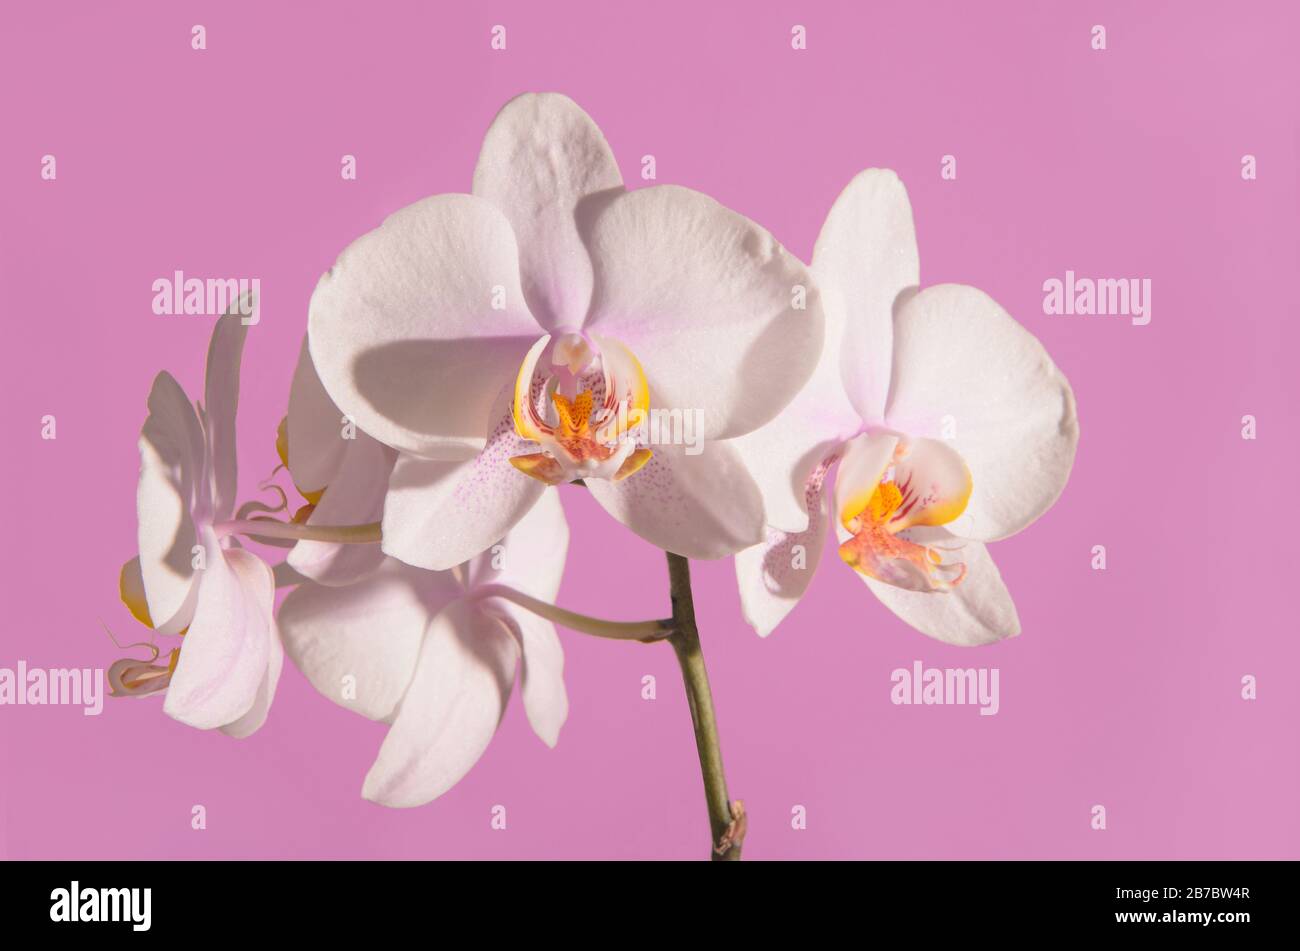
(962, 364)
(706, 299)
(403, 330)
(366, 636)
(171, 463)
(698, 506)
(226, 651)
(450, 711)
(541, 157)
(440, 514)
(977, 611)
(864, 258)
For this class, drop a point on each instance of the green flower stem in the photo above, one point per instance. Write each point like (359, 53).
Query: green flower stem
(368, 533)
(726, 825)
(645, 631)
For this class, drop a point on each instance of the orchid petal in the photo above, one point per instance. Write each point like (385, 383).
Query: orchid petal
(526, 421)
(358, 645)
(966, 371)
(171, 462)
(530, 558)
(440, 514)
(933, 481)
(863, 463)
(355, 496)
(708, 302)
(865, 257)
(699, 506)
(541, 676)
(783, 454)
(541, 157)
(253, 720)
(225, 653)
(315, 427)
(403, 330)
(220, 403)
(774, 575)
(450, 711)
(130, 587)
(977, 611)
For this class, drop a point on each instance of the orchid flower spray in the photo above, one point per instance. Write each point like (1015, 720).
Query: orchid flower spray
(479, 355)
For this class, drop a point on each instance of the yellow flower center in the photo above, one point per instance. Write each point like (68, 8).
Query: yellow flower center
(589, 437)
(878, 551)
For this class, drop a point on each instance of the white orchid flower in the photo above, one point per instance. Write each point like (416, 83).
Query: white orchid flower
(190, 578)
(526, 334)
(342, 473)
(950, 424)
(434, 654)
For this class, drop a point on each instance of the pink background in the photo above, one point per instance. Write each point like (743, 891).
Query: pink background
(1124, 689)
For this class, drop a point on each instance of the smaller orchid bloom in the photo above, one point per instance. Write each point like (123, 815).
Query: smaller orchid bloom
(190, 578)
(434, 654)
(340, 471)
(941, 421)
(535, 331)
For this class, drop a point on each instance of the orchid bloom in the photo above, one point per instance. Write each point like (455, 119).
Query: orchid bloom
(434, 653)
(190, 578)
(533, 333)
(341, 472)
(950, 424)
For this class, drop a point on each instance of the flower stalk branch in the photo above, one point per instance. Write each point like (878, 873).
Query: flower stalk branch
(368, 533)
(644, 631)
(726, 819)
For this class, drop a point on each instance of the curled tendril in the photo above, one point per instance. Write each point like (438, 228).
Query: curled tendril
(248, 508)
(147, 645)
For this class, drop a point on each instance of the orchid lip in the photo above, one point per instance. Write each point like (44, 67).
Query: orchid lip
(132, 677)
(922, 484)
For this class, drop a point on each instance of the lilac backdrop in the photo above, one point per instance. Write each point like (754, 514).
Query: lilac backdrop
(1125, 688)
